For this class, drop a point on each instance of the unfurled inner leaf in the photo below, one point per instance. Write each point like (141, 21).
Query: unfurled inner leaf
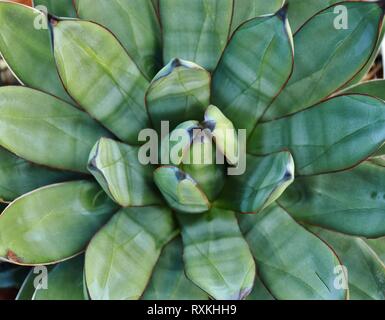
(195, 30)
(265, 179)
(112, 88)
(45, 130)
(336, 134)
(181, 191)
(293, 263)
(53, 223)
(351, 202)
(121, 257)
(213, 249)
(254, 67)
(134, 23)
(117, 169)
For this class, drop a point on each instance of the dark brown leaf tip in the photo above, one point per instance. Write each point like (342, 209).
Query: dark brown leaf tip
(176, 63)
(282, 13)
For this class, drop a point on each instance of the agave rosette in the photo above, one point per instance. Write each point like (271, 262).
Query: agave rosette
(294, 225)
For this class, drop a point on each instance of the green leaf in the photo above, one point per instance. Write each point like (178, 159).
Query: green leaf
(247, 9)
(333, 135)
(169, 281)
(46, 130)
(259, 292)
(121, 257)
(378, 245)
(195, 30)
(302, 10)
(61, 8)
(179, 92)
(18, 176)
(135, 24)
(52, 223)
(27, 49)
(265, 179)
(65, 281)
(375, 88)
(117, 169)
(366, 272)
(216, 257)
(101, 77)
(180, 190)
(351, 202)
(27, 289)
(321, 64)
(292, 263)
(249, 77)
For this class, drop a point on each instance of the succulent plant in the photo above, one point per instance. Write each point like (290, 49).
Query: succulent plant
(86, 196)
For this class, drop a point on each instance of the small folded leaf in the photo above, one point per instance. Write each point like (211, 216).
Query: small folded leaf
(25, 45)
(321, 63)
(180, 190)
(195, 30)
(264, 181)
(60, 8)
(247, 9)
(135, 24)
(121, 257)
(65, 282)
(45, 130)
(365, 271)
(112, 88)
(216, 257)
(248, 77)
(179, 92)
(351, 202)
(375, 88)
(334, 135)
(223, 132)
(169, 281)
(292, 263)
(53, 223)
(200, 163)
(117, 169)
(18, 176)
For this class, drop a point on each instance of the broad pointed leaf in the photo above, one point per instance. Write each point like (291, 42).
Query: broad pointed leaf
(25, 45)
(292, 263)
(180, 190)
(65, 282)
(101, 77)
(61, 8)
(249, 77)
(247, 9)
(195, 30)
(216, 257)
(46, 130)
(375, 88)
(135, 24)
(121, 257)
(18, 176)
(321, 64)
(333, 135)
(117, 169)
(351, 202)
(365, 271)
(169, 281)
(265, 179)
(179, 92)
(52, 223)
